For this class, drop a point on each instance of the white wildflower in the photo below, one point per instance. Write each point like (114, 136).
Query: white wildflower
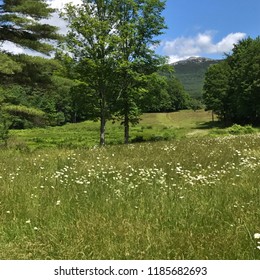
(58, 202)
(257, 235)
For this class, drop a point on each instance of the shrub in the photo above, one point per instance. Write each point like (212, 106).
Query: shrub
(237, 129)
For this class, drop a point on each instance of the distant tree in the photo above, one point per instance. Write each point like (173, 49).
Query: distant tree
(232, 87)
(216, 90)
(156, 98)
(84, 105)
(179, 97)
(164, 93)
(245, 81)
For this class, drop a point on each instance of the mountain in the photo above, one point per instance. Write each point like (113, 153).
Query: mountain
(191, 73)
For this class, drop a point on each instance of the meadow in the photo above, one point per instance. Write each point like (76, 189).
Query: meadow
(152, 127)
(192, 197)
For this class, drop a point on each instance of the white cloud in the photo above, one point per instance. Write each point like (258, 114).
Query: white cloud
(16, 49)
(200, 45)
(55, 18)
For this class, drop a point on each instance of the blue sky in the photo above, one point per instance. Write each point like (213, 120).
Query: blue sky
(197, 27)
(207, 27)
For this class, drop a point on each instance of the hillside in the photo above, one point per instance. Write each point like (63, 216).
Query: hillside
(191, 73)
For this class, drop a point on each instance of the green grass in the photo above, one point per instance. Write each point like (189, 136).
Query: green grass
(152, 127)
(193, 197)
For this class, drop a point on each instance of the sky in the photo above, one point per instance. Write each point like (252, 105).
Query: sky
(207, 28)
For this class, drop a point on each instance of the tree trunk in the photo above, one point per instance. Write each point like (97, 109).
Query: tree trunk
(126, 125)
(102, 121)
(102, 131)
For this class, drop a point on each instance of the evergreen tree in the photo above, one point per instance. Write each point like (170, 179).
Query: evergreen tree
(20, 23)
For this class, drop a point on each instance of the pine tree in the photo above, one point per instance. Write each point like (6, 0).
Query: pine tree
(20, 23)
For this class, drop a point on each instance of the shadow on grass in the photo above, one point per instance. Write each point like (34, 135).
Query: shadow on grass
(210, 124)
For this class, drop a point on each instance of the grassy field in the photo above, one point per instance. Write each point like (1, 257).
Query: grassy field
(188, 198)
(152, 127)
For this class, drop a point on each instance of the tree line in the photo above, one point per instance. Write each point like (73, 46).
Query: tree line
(104, 68)
(232, 87)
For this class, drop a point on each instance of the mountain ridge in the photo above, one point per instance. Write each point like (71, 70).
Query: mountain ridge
(194, 59)
(191, 73)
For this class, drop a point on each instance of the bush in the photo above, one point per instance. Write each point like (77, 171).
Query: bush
(152, 137)
(237, 129)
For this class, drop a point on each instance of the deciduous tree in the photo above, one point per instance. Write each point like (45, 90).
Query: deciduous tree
(113, 41)
(90, 42)
(232, 87)
(138, 25)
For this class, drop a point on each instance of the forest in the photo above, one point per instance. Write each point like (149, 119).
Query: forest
(103, 69)
(106, 68)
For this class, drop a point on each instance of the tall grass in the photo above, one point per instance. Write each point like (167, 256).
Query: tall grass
(188, 199)
(152, 127)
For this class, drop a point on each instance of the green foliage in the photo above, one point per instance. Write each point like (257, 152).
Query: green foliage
(19, 23)
(4, 126)
(191, 73)
(34, 71)
(20, 113)
(245, 81)
(195, 104)
(216, 89)
(39, 85)
(156, 97)
(111, 42)
(84, 104)
(164, 93)
(7, 65)
(232, 87)
(237, 129)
